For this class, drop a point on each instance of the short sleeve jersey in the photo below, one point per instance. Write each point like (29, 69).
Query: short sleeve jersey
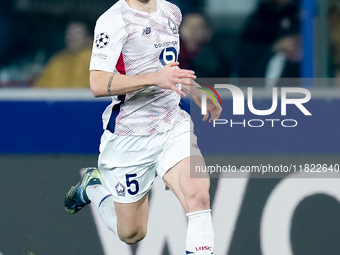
(131, 42)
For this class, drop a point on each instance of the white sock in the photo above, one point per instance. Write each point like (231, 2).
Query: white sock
(102, 198)
(200, 233)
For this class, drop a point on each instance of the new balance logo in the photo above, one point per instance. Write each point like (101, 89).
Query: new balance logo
(147, 31)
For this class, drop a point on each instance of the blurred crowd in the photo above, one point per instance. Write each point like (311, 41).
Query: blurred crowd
(334, 39)
(270, 44)
(47, 53)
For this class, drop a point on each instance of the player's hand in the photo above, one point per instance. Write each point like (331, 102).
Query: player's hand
(169, 76)
(213, 110)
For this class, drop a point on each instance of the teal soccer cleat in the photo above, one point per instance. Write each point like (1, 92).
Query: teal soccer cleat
(76, 197)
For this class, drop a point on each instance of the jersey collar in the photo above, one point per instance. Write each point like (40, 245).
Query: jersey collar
(145, 13)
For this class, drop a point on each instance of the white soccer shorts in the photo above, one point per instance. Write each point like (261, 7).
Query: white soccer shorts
(129, 164)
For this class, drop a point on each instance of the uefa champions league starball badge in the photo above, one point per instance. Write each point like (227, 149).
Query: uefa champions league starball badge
(102, 40)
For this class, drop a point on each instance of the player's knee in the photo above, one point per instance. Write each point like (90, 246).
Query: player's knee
(133, 237)
(198, 200)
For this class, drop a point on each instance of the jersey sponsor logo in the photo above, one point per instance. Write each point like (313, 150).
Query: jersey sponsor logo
(168, 55)
(166, 44)
(99, 55)
(102, 40)
(173, 26)
(120, 189)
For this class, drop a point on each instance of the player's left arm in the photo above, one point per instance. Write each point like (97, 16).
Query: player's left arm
(214, 109)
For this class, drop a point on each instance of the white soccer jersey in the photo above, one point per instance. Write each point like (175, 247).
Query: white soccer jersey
(132, 42)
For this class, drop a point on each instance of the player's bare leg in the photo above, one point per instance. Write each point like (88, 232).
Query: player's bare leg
(128, 221)
(193, 194)
(132, 220)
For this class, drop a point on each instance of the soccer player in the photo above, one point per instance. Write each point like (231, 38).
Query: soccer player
(146, 134)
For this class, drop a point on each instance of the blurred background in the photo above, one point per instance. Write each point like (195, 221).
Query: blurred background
(50, 127)
(220, 38)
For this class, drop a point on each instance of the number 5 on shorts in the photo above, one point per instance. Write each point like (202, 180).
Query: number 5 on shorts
(130, 183)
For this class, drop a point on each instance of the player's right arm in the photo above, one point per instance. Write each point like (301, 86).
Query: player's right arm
(106, 76)
(108, 84)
